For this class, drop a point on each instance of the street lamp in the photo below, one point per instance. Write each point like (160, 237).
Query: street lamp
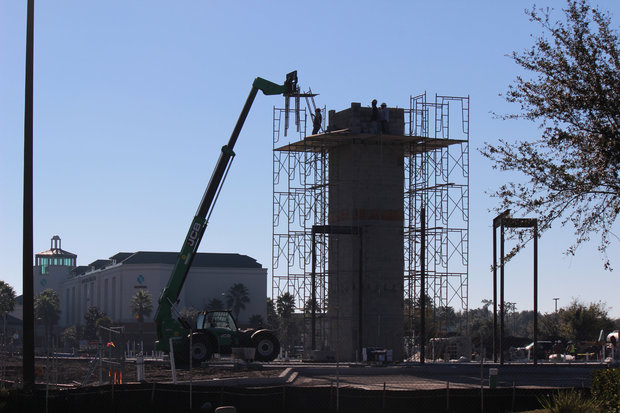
(556, 303)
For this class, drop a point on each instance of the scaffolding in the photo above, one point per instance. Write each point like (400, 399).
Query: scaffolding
(299, 202)
(436, 165)
(437, 179)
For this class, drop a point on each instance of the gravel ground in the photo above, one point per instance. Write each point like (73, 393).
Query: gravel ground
(73, 371)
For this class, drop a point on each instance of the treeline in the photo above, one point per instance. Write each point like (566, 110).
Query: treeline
(577, 322)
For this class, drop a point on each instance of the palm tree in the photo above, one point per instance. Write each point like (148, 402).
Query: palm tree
(272, 315)
(256, 321)
(237, 297)
(47, 310)
(141, 306)
(285, 305)
(215, 304)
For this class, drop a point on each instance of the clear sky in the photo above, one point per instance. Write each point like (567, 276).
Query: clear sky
(134, 99)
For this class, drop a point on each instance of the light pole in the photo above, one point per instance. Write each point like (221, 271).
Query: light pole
(556, 303)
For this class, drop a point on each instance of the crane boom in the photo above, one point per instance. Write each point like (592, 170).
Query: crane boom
(167, 326)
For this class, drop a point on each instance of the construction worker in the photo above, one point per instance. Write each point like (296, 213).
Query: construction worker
(374, 116)
(385, 119)
(317, 121)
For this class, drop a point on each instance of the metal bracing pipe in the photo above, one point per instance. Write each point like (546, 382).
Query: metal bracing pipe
(501, 293)
(535, 292)
(422, 284)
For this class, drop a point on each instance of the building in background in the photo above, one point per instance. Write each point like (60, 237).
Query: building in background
(109, 284)
(52, 267)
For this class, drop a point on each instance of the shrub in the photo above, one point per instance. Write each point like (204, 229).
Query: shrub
(569, 401)
(606, 389)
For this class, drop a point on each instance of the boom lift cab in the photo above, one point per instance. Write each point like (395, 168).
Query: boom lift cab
(223, 335)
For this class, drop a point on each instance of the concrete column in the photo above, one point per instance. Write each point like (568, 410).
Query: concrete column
(366, 181)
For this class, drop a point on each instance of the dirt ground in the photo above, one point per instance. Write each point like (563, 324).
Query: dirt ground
(73, 371)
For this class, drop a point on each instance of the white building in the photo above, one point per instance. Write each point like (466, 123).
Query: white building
(110, 284)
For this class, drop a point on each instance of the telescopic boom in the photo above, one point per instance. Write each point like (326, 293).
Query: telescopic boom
(167, 326)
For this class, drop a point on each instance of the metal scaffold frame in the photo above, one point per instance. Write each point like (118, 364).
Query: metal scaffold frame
(436, 177)
(299, 202)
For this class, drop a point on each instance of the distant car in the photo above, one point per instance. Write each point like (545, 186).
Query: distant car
(543, 349)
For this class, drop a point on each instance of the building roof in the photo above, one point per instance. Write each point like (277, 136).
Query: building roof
(202, 259)
(121, 256)
(80, 269)
(57, 252)
(55, 249)
(101, 264)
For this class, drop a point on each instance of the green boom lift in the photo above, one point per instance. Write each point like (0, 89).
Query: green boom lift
(215, 331)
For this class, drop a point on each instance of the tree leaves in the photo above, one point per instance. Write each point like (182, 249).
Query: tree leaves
(141, 305)
(236, 298)
(7, 298)
(573, 169)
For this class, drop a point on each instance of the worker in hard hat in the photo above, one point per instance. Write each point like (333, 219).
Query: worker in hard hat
(317, 121)
(374, 116)
(384, 115)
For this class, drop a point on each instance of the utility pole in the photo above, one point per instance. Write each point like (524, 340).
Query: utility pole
(28, 275)
(556, 303)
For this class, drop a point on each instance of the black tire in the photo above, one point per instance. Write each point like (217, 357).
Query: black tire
(201, 350)
(267, 346)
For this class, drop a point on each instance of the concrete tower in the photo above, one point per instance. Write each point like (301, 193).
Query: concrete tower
(365, 276)
(347, 221)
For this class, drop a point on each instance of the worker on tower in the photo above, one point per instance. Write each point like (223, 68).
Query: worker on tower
(317, 121)
(385, 119)
(374, 116)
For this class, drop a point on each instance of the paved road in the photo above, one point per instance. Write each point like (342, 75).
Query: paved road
(439, 375)
(416, 377)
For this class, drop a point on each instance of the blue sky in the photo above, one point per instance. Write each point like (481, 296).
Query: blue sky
(133, 101)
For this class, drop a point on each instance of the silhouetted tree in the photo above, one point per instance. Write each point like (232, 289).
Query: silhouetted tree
(581, 322)
(90, 318)
(7, 298)
(273, 320)
(141, 306)
(285, 306)
(215, 304)
(256, 321)
(237, 297)
(573, 169)
(47, 311)
(7, 304)
(70, 336)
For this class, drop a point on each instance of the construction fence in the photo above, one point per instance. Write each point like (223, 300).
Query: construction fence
(153, 398)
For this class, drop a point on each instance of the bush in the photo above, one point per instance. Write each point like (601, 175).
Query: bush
(606, 389)
(4, 399)
(570, 401)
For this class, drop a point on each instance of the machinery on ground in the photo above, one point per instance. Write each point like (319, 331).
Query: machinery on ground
(216, 331)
